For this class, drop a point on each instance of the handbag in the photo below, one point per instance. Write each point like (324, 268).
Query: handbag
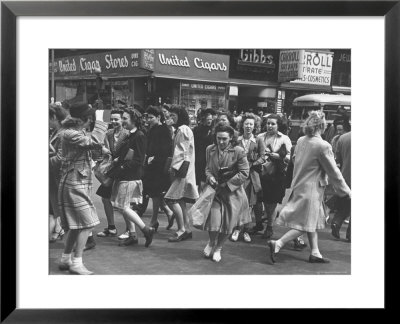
(100, 170)
(167, 165)
(268, 169)
(201, 208)
(183, 170)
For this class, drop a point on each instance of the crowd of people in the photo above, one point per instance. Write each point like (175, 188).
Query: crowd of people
(154, 154)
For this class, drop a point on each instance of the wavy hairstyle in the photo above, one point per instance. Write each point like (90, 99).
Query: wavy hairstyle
(183, 116)
(244, 118)
(156, 111)
(315, 122)
(278, 119)
(135, 116)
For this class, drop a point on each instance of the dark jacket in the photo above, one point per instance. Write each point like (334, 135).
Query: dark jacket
(203, 137)
(129, 170)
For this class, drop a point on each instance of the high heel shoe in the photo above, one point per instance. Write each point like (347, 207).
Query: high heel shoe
(170, 221)
(155, 226)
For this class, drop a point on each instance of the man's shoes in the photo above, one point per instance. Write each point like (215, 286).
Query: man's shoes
(107, 232)
(148, 233)
(131, 240)
(182, 237)
(256, 229)
(335, 230)
(124, 235)
(90, 243)
(272, 254)
(299, 244)
(235, 236)
(246, 237)
(314, 259)
(268, 233)
(79, 270)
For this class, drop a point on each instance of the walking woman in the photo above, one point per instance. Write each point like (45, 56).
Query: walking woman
(182, 171)
(78, 214)
(159, 147)
(254, 148)
(128, 173)
(227, 170)
(113, 139)
(277, 151)
(56, 115)
(304, 210)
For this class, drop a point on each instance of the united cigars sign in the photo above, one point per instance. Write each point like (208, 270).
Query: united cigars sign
(123, 62)
(305, 66)
(182, 64)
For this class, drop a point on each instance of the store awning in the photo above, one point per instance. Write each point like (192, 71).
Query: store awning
(305, 86)
(252, 83)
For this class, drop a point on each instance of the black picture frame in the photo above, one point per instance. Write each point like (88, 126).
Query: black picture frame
(10, 10)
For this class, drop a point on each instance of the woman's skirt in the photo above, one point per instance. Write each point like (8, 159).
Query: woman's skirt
(273, 188)
(126, 192)
(77, 210)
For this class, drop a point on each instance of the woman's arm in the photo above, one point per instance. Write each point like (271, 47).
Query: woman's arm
(181, 149)
(243, 172)
(138, 145)
(209, 175)
(260, 152)
(88, 142)
(335, 176)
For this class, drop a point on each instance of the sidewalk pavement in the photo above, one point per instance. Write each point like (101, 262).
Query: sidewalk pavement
(185, 258)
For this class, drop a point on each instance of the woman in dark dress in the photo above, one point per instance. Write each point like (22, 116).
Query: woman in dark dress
(277, 151)
(159, 148)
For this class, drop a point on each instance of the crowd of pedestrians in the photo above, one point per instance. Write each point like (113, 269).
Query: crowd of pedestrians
(154, 154)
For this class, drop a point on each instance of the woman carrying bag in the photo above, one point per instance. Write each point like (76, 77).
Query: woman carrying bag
(128, 173)
(227, 170)
(273, 176)
(254, 148)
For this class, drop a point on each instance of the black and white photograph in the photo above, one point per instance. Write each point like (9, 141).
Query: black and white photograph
(200, 161)
(196, 159)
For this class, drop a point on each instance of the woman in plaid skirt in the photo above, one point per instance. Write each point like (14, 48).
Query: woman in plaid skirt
(78, 214)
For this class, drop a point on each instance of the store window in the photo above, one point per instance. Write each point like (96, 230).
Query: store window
(70, 91)
(194, 94)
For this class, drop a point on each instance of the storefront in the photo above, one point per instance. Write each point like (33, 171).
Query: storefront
(116, 77)
(252, 79)
(144, 77)
(190, 78)
(341, 71)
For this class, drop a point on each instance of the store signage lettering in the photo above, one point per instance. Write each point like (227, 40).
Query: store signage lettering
(305, 66)
(289, 62)
(183, 64)
(202, 86)
(90, 66)
(123, 62)
(316, 68)
(256, 56)
(200, 64)
(67, 66)
(174, 60)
